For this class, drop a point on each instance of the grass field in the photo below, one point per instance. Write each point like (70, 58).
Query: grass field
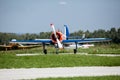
(103, 49)
(53, 60)
(85, 78)
(8, 59)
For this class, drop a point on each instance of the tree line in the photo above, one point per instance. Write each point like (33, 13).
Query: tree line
(113, 33)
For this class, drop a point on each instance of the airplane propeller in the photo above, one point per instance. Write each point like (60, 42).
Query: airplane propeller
(58, 42)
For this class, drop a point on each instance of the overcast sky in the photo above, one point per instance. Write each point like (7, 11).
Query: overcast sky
(34, 16)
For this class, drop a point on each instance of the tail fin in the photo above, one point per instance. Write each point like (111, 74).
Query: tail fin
(66, 31)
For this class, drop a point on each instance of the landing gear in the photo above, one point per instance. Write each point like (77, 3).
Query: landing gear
(75, 50)
(56, 47)
(44, 50)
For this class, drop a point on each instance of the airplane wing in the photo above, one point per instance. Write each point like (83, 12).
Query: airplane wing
(32, 41)
(86, 40)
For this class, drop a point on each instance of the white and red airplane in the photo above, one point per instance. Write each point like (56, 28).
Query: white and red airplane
(58, 39)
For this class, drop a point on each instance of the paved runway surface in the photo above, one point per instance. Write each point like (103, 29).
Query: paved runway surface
(33, 73)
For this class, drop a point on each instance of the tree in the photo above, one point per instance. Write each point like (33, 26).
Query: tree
(118, 36)
(113, 34)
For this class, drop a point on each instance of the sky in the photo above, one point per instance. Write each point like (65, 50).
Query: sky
(35, 16)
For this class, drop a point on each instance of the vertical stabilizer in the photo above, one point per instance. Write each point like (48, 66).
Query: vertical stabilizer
(66, 31)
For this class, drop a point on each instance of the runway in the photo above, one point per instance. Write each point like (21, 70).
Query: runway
(33, 73)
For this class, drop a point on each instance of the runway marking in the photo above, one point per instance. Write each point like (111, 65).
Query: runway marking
(109, 55)
(33, 73)
(28, 54)
(35, 54)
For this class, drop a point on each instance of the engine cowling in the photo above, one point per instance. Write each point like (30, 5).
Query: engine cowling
(59, 36)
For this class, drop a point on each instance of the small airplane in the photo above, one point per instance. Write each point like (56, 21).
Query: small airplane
(5, 47)
(58, 39)
(13, 46)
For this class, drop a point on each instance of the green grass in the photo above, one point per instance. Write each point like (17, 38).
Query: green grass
(53, 60)
(102, 49)
(84, 78)
(8, 59)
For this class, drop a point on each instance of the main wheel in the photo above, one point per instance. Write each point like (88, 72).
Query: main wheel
(45, 51)
(75, 51)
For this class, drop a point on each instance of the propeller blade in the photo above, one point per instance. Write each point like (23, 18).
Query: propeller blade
(53, 30)
(58, 42)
